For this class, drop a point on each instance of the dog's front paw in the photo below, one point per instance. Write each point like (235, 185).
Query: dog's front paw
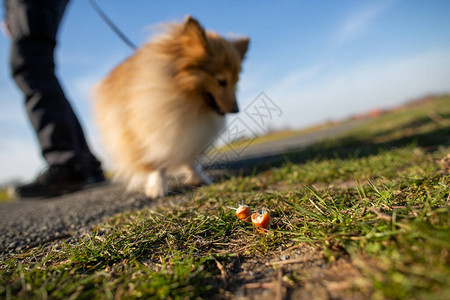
(156, 186)
(195, 177)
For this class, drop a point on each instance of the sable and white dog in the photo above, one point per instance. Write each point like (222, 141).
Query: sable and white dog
(159, 108)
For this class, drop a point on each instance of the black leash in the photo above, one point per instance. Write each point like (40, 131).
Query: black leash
(110, 23)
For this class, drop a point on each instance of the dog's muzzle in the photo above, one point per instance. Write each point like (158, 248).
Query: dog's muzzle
(212, 103)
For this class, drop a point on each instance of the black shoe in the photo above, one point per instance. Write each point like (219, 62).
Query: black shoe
(96, 176)
(57, 180)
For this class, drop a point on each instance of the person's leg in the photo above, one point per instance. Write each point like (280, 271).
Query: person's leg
(33, 27)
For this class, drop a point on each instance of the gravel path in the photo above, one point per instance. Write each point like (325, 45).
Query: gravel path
(29, 223)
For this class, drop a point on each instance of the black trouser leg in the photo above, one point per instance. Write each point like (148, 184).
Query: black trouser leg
(33, 26)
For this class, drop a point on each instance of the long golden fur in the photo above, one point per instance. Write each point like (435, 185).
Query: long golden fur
(159, 108)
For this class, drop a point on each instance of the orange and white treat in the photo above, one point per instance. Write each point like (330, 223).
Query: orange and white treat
(261, 220)
(243, 212)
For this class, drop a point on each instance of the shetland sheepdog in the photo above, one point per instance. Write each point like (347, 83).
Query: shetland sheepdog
(163, 105)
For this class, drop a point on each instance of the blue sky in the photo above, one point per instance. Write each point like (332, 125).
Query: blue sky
(317, 60)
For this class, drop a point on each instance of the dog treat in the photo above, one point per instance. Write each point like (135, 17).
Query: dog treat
(261, 220)
(243, 212)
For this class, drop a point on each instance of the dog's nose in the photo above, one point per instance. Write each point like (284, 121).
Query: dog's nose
(235, 108)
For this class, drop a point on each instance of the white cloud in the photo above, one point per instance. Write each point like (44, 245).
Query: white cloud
(357, 23)
(12, 109)
(336, 93)
(19, 160)
(19, 152)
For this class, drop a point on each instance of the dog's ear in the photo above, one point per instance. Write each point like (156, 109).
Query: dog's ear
(242, 46)
(194, 32)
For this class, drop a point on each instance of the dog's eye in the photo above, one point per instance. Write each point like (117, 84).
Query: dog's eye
(222, 82)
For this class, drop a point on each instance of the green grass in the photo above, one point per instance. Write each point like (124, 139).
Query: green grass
(426, 124)
(4, 195)
(376, 198)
